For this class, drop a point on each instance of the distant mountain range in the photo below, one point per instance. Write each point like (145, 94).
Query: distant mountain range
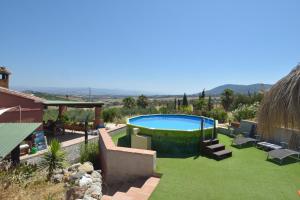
(242, 89)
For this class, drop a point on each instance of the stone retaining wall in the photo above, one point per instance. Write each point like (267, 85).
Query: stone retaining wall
(119, 164)
(72, 150)
(72, 153)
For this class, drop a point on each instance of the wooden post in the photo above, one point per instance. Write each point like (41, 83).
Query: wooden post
(86, 139)
(15, 156)
(97, 123)
(202, 129)
(61, 110)
(215, 130)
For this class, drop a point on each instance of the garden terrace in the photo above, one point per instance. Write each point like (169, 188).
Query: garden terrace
(247, 175)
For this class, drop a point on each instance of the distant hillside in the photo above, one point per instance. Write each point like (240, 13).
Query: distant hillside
(84, 91)
(242, 89)
(47, 96)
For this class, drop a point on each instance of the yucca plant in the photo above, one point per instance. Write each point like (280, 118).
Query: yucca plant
(54, 158)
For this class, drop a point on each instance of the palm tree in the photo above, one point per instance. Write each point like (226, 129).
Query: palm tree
(227, 99)
(129, 102)
(54, 158)
(142, 101)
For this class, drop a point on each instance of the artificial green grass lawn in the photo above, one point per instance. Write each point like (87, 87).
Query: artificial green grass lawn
(246, 175)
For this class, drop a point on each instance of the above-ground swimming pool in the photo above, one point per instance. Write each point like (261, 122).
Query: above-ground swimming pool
(172, 133)
(171, 122)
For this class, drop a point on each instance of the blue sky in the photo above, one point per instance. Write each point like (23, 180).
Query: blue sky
(167, 46)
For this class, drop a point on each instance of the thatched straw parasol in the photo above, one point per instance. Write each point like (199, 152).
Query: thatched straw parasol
(281, 105)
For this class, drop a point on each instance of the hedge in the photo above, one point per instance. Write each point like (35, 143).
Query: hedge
(173, 141)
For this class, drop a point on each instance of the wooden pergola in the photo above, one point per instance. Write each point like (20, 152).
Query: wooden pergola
(63, 105)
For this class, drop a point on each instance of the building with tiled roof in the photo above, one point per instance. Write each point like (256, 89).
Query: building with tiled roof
(28, 108)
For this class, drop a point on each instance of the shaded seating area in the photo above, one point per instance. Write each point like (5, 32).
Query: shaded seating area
(54, 127)
(59, 126)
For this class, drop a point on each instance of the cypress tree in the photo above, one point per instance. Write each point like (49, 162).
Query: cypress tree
(203, 94)
(185, 100)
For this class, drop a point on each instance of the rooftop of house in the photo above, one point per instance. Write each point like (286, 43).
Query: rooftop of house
(21, 94)
(4, 70)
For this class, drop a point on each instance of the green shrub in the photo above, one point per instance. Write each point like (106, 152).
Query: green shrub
(218, 114)
(54, 158)
(111, 114)
(186, 109)
(90, 152)
(245, 112)
(164, 110)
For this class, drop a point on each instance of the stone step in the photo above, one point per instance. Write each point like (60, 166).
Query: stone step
(122, 196)
(209, 142)
(214, 148)
(106, 197)
(152, 181)
(141, 190)
(150, 185)
(219, 155)
(138, 194)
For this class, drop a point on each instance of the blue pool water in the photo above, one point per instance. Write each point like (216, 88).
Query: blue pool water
(171, 122)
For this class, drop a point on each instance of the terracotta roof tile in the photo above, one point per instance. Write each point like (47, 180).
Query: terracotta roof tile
(20, 94)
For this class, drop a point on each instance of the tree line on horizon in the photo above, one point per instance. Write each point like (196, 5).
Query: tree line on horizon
(229, 107)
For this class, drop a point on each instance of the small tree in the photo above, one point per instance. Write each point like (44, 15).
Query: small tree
(129, 102)
(218, 114)
(175, 104)
(54, 158)
(245, 111)
(227, 99)
(210, 104)
(142, 101)
(200, 105)
(185, 100)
